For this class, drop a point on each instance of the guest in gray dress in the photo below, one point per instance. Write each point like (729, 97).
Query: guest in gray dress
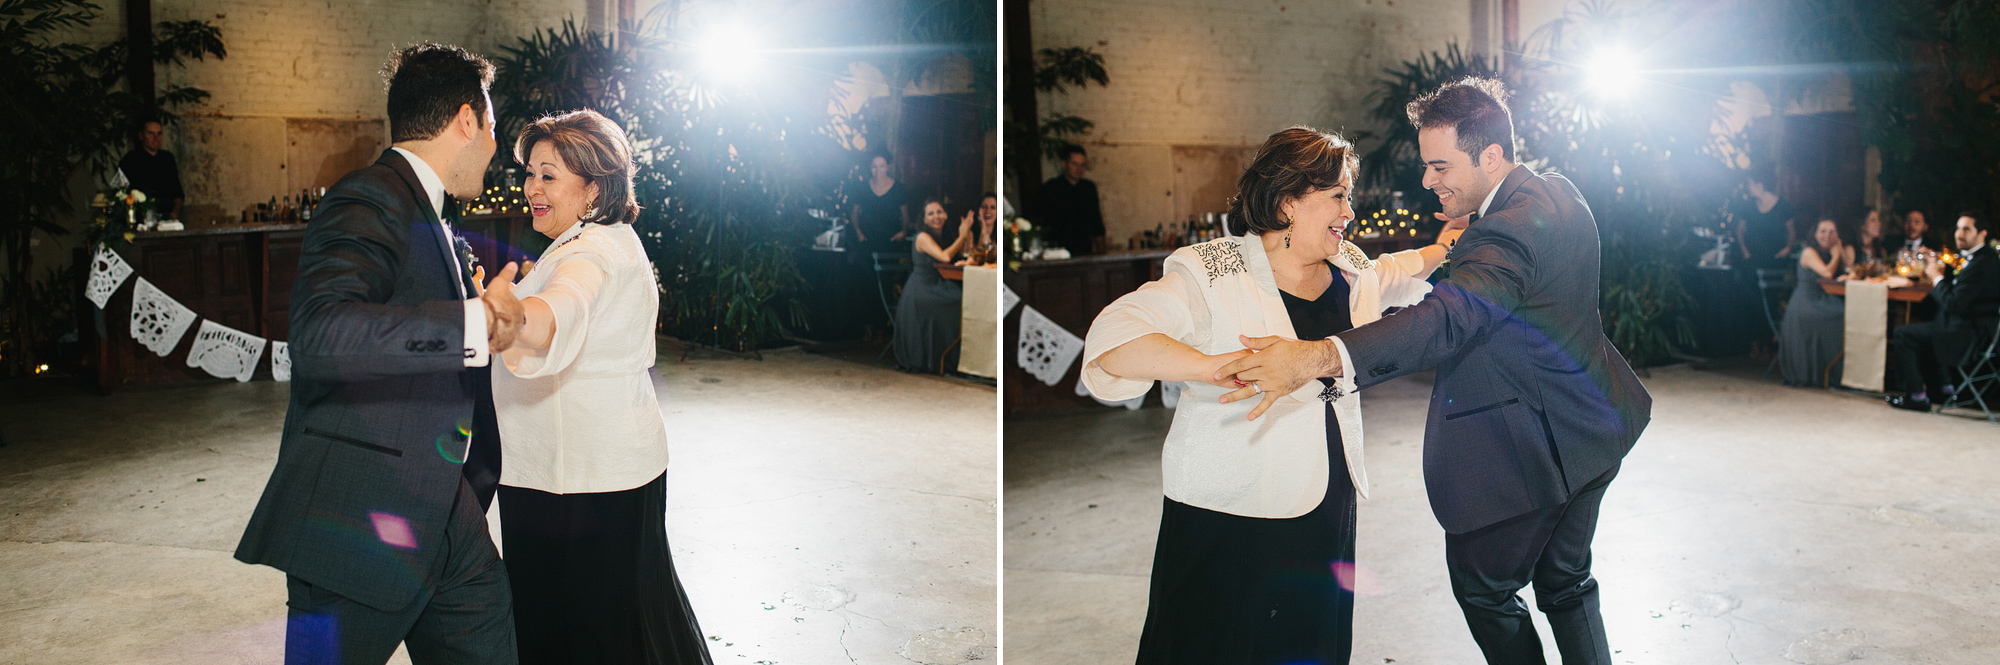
(927, 315)
(1811, 336)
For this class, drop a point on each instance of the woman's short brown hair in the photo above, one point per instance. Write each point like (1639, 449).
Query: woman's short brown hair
(594, 147)
(1291, 164)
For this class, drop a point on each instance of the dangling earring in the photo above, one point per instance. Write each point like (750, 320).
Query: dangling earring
(1288, 238)
(590, 212)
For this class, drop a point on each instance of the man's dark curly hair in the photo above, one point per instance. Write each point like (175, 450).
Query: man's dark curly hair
(1476, 107)
(427, 85)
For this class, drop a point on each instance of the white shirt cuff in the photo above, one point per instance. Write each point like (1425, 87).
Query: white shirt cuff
(1345, 382)
(475, 333)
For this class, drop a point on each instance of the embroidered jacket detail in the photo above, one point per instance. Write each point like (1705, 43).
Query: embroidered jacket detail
(1219, 260)
(1356, 256)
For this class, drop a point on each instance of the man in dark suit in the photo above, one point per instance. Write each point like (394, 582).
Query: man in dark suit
(368, 511)
(1915, 233)
(1968, 303)
(1067, 208)
(1533, 408)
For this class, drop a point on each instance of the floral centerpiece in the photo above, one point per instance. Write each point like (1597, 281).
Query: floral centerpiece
(1022, 237)
(121, 212)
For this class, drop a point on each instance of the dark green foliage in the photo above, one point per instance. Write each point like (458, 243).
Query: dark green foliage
(1059, 70)
(65, 109)
(724, 175)
(1926, 75)
(1644, 162)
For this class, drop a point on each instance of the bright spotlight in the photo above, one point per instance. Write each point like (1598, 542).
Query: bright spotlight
(728, 50)
(1612, 72)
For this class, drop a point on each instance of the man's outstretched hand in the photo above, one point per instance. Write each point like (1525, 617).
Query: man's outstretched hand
(1278, 367)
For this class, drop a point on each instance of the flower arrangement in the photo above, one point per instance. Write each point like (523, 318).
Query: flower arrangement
(121, 212)
(1021, 238)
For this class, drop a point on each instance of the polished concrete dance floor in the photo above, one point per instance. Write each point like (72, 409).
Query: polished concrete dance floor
(1752, 524)
(820, 511)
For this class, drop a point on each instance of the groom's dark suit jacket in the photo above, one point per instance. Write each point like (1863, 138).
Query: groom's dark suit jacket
(370, 460)
(1531, 400)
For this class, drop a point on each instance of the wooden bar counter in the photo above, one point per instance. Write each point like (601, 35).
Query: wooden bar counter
(1070, 292)
(239, 275)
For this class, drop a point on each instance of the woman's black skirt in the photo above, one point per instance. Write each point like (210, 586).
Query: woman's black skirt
(593, 579)
(1237, 590)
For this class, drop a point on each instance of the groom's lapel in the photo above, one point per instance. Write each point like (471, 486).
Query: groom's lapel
(434, 229)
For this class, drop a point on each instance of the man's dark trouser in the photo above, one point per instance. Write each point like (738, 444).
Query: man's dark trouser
(1923, 351)
(1549, 548)
(467, 617)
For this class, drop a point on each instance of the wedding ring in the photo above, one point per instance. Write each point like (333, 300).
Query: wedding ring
(1258, 388)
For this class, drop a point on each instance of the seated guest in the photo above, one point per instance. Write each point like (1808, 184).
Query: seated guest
(927, 315)
(1968, 302)
(1914, 231)
(1870, 246)
(153, 170)
(1815, 321)
(985, 243)
(1066, 207)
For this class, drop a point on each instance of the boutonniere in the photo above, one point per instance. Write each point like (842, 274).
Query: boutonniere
(465, 255)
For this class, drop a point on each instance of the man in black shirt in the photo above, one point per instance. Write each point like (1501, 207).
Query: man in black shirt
(1968, 304)
(1914, 233)
(152, 170)
(1066, 208)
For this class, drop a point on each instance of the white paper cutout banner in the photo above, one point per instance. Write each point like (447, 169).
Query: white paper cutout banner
(1007, 300)
(158, 322)
(1130, 404)
(108, 271)
(226, 352)
(1170, 393)
(281, 361)
(1046, 350)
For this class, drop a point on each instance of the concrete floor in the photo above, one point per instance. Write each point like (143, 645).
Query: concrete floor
(820, 510)
(1752, 524)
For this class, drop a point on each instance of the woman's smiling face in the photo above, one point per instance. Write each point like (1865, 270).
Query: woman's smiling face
(1319, 220)
(934, 216)
(556, 196)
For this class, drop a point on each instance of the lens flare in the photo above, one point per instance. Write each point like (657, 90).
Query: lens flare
(1613, 72)
(452, 447)
(728, 50)
(393, 530)
(1355, 579)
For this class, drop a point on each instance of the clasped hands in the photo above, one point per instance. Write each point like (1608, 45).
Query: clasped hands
(1273, 367)
(504, 313)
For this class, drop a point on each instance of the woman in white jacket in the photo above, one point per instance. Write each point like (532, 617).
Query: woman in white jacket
(1255, 558)
(583, 484)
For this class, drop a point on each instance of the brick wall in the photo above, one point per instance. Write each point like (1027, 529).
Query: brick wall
(1197, 84)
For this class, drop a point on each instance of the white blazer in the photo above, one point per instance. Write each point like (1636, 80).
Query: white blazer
(1276, 466)
(581, 415)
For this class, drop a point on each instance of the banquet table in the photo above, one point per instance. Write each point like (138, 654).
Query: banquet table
(1865, 347)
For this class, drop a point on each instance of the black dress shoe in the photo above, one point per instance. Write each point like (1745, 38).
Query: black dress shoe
(1907, 402)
